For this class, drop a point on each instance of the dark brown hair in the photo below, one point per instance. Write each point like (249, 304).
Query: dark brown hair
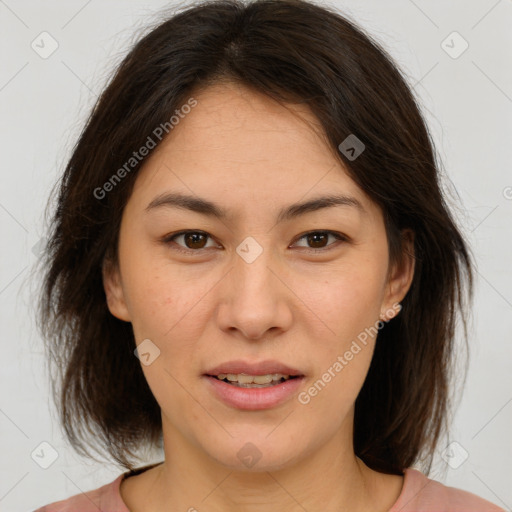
(293, 51)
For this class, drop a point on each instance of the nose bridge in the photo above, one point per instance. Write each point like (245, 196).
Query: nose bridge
(251, 272)
(252, 304)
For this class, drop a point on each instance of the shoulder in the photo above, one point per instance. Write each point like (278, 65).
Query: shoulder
(422, 494)
(105, 498)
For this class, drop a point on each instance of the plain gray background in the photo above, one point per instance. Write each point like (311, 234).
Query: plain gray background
(467, 101)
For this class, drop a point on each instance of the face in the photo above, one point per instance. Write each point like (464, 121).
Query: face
(303, 289)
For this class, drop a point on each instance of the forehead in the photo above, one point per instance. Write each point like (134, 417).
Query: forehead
(232, 120)
(242, 145)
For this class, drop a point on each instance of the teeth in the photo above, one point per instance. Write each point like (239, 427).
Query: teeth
(242, 378)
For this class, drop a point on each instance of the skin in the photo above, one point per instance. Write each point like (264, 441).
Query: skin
(252, 156)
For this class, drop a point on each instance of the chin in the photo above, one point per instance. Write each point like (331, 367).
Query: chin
(256, 453)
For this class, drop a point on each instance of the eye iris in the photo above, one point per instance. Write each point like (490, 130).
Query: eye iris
(193, 238)
(313, 239)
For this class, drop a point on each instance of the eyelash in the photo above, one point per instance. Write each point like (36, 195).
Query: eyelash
(338, 236)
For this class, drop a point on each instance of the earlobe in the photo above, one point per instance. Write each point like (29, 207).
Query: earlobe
(114, 292)
(400, 279)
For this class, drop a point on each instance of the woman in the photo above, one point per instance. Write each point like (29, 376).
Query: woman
(252, 266)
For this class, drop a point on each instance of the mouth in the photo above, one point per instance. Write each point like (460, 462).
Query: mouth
(243, 380)
(250, 392)
(253, 385)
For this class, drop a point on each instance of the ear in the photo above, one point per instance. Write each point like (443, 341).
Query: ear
(399, 278)
(114, 291)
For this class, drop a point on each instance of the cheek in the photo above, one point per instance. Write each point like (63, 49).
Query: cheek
(348, 305)
(348, 298)
(163, 306)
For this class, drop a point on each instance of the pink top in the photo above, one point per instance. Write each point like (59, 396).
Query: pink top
(419, 494)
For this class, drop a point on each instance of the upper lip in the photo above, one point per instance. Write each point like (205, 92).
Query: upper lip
(253, 368)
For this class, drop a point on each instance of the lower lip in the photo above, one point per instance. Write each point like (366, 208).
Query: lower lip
(254, 398)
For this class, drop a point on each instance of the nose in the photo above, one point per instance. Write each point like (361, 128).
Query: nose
(254, 298)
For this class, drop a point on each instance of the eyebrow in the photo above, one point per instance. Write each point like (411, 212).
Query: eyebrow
(205, 207)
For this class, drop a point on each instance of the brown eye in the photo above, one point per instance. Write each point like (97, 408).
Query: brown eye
(317, 240)
(193, 241)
